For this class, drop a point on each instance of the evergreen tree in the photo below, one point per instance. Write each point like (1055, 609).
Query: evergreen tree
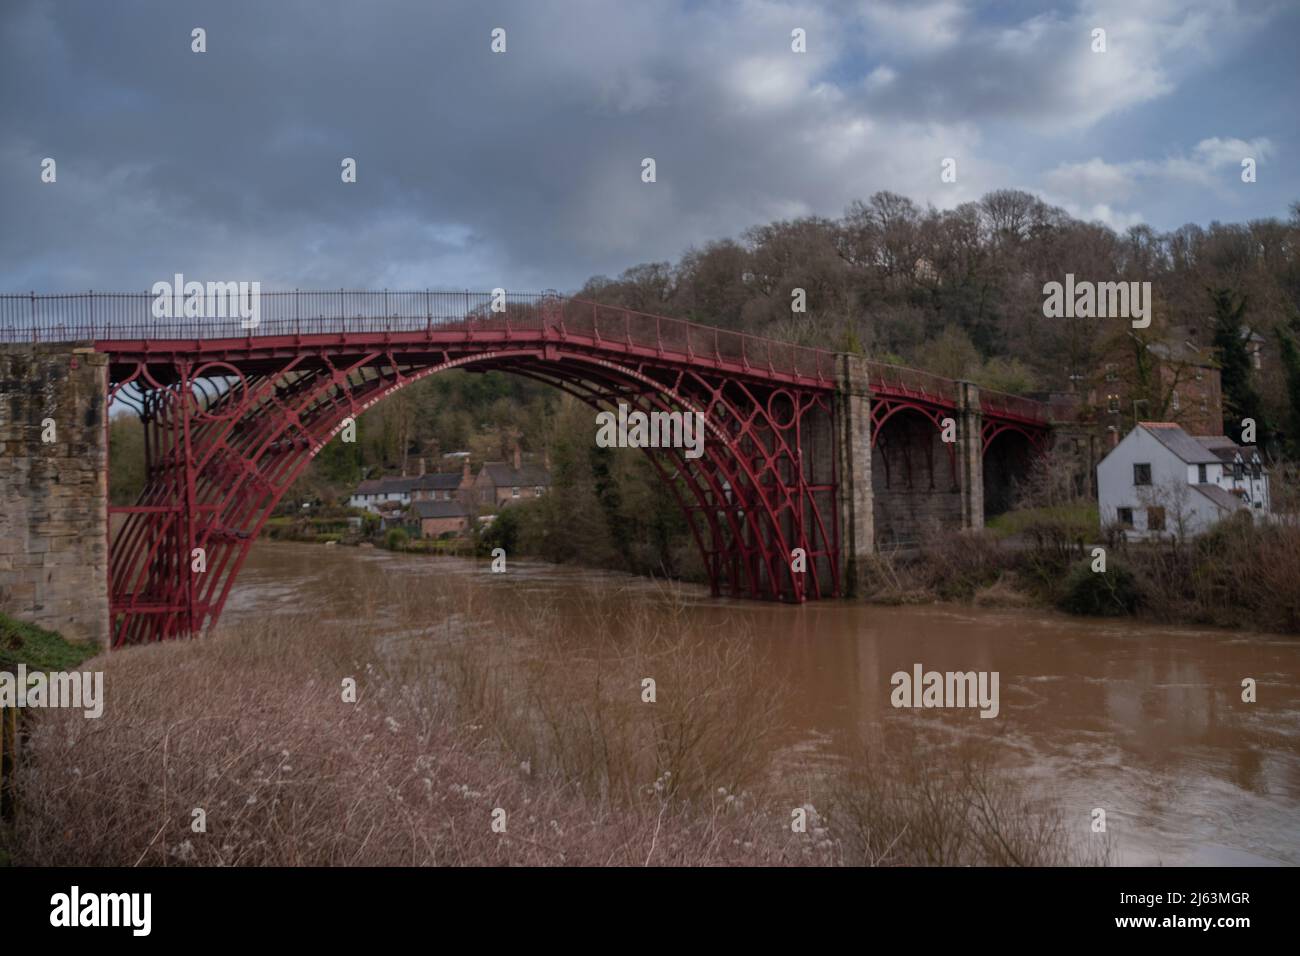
(1240, 400)
(1291, 365)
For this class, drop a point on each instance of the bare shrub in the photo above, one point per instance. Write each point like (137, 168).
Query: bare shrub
(1240, 573)
(904, 804)
(955, 566)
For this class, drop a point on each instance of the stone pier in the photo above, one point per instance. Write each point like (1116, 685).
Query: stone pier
(970, 456)
(54, 488)
(857, 522)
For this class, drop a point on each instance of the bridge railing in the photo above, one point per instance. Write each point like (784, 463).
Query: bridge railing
(698, 342)
(899, 379)
(1005, 405)
(96, 316)
(131, 315)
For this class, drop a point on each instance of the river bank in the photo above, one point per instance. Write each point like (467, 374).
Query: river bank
(1240, 575)
(524, 692)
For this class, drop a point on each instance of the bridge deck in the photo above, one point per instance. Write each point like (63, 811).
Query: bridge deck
(126, 324)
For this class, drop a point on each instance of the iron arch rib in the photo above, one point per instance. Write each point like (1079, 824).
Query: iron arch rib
(219, 464)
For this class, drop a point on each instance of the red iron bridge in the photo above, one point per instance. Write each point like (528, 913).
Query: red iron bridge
(806, 450)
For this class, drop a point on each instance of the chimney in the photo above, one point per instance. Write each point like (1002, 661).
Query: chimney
(519, 458)
(421, 466)
(465, 472)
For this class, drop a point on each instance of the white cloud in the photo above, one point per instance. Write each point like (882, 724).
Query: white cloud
(1204, 166)
(1043, 67)
(1089, 189)
(915, 27)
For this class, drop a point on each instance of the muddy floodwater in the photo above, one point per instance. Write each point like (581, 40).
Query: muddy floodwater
(1146, 722)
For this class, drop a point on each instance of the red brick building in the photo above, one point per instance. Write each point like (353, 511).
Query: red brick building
(433, 519)
(1174, 379)
(500, 483)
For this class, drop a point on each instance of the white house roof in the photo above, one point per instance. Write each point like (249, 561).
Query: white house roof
(1183, 445)
(1226, 449)
(1221, 497)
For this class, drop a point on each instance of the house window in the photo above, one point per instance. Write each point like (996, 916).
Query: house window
(1201, 477)
(1111, 374)
(1155, 519)
(1112, 403)
(1142, 474)
(537, 491)
(514, 492)
(1238, 472)
(1205, 404)
(1256, 471)
(1125, 516)
(1200, 374)
(1175, 402)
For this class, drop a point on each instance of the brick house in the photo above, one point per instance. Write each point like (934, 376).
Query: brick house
(444, 485)
(500, 483)
(1173, 379)
(433, 519)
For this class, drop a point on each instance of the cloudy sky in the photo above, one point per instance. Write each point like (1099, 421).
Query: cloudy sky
(523, 169)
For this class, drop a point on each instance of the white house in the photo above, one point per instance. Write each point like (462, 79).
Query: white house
(370, 494)
(1162, 482)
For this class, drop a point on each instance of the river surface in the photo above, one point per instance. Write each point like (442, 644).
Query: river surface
(1144, 721)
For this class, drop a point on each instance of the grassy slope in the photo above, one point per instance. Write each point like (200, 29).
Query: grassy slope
(39, 649)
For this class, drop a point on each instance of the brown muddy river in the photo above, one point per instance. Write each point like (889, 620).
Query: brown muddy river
(1146, 722)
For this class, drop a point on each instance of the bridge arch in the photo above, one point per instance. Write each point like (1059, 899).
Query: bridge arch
(1008, 451)
(217, 468)
(914, 474)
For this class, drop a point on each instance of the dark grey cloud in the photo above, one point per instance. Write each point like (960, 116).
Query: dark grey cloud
(522, 169)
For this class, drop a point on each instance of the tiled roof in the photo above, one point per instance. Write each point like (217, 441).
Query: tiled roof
(438, 509)
(1226, 449)
(390, 485)
(504, 475)
(1180, 443)
(439, 481)
(1221, 497)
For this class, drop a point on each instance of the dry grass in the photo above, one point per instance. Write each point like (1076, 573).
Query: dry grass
(1002, 593)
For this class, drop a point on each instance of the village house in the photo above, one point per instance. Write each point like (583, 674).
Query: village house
(1159, 481)
(401, 490)
(1177, 379)
(500, 483)
(444, 485)
(376, 491)
(435, 518)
